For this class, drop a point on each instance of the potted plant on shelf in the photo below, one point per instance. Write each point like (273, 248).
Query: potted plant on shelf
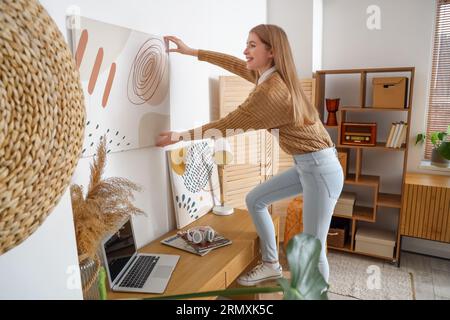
(440, 155)
(107, 203)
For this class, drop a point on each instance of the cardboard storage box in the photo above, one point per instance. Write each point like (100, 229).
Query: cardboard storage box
(345, 204)
(375, 241)
(390, 92)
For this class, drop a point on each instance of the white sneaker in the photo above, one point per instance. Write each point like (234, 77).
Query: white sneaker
(258, 274)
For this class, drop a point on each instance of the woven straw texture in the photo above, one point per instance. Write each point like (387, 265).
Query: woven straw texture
(42, 118)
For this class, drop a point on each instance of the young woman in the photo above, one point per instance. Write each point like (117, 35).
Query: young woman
(277, 102)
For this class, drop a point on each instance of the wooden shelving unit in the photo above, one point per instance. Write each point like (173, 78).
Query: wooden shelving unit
(370, 109)
(380, 145)
(389, 200)
(347, 247)
(358, 178)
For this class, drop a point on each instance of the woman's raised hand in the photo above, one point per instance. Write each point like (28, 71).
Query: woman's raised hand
(181, 46)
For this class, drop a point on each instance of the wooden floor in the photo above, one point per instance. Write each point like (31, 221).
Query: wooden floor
(431, 275)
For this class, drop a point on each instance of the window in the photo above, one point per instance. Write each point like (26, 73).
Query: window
(439, 103)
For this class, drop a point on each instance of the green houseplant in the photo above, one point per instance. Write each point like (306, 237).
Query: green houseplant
(440, 155)
(306, 283)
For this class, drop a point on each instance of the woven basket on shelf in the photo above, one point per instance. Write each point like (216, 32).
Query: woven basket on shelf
(336, 237)
(41, 118)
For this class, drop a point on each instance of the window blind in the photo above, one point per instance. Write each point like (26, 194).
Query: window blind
(439, 101)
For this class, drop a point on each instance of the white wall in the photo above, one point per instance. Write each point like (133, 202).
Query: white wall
(207, 24)
(317, 42)
(296, 18)
(45, 265)
(405, 39)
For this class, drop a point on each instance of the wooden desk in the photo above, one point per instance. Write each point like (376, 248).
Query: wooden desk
(216, 270)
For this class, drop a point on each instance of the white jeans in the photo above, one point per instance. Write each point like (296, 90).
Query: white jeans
(319, 176)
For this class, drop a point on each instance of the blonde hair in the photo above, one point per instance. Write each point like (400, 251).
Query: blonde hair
(276, 39)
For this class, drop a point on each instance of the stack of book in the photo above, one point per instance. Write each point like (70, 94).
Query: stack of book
(180, 241)
(397, 135)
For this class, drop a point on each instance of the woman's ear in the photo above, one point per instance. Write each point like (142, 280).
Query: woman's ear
(271, 56)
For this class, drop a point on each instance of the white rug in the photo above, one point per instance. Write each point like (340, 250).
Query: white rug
(368, 279)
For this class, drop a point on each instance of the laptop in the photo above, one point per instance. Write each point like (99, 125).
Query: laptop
(129, 271)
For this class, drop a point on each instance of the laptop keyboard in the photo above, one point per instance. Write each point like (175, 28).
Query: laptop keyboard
(139, 273)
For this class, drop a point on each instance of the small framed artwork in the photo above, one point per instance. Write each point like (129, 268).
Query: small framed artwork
(195, 181)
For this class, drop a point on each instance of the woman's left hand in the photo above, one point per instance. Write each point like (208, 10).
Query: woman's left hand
(166, 138)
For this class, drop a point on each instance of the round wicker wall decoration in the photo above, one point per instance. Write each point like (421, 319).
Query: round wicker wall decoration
(42, 118)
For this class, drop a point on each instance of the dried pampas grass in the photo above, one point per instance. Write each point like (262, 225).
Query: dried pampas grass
(108, 202)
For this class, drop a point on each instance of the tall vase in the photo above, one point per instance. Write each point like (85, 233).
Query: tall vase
(89, 269)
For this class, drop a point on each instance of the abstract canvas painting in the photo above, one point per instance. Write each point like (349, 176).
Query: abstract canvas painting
(195, 181)
(125, 79)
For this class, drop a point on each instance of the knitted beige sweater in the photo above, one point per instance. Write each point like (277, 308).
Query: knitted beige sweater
(268, 107)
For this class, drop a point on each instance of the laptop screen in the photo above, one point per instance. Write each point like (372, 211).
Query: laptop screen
(119, 249)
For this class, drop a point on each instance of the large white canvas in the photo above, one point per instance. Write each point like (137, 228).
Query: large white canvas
(125, 79)
(195, 181)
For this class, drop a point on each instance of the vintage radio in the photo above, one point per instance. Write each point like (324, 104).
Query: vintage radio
(359, 134)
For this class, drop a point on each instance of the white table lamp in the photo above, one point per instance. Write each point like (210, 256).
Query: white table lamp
(222, 156)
